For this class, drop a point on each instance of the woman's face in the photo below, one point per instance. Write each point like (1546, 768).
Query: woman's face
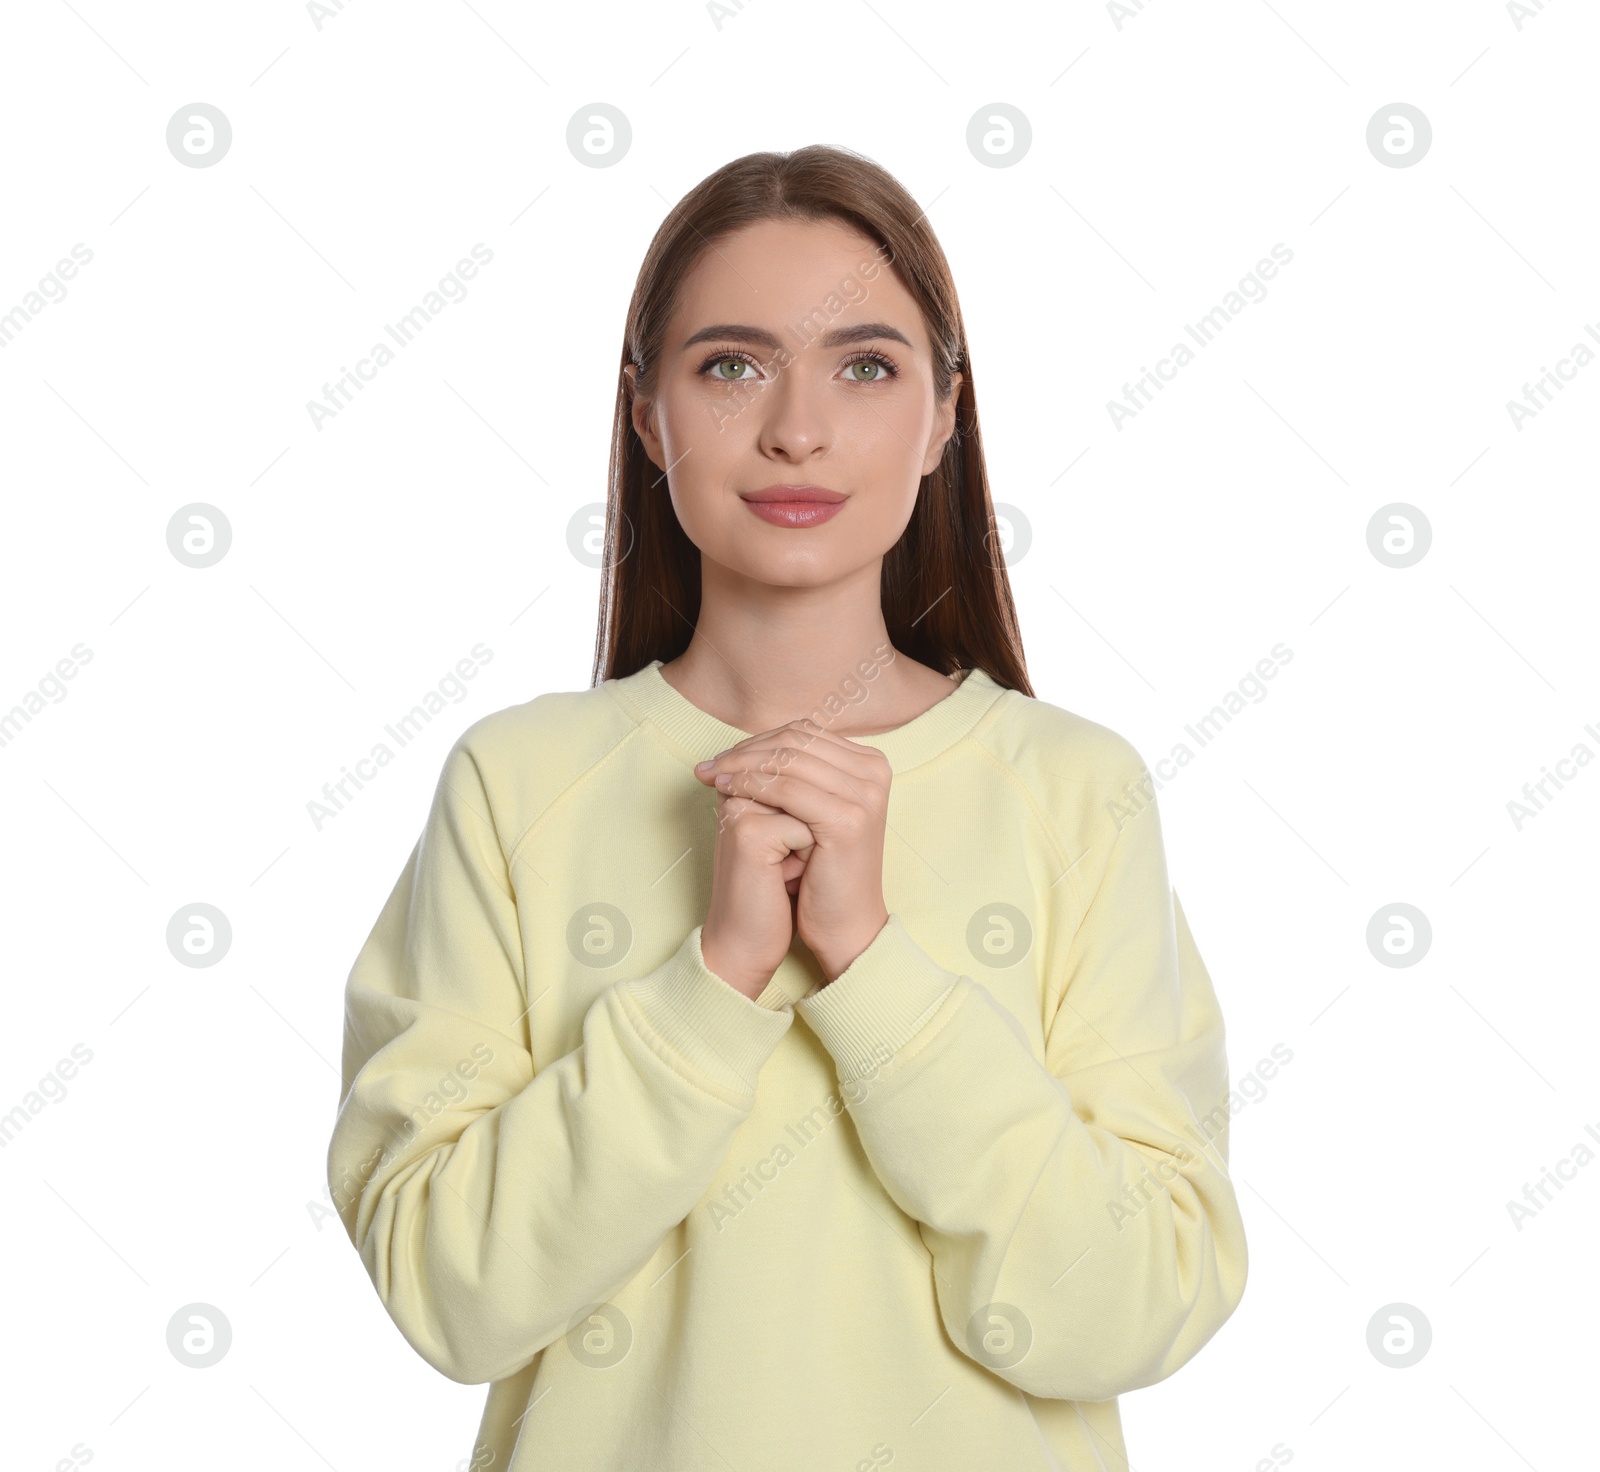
(795, 358)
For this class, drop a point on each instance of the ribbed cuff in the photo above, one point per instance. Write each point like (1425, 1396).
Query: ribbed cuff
(716, 1031)
(879, 1003)
(775, 995)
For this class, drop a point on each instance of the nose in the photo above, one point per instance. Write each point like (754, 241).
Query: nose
(795, 416)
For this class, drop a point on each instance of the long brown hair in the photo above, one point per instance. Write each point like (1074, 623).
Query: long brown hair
(945, 593)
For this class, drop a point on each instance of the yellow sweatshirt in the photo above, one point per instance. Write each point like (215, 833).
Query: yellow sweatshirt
(939, 1212)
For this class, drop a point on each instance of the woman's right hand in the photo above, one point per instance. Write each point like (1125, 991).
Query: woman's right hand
(755, 879)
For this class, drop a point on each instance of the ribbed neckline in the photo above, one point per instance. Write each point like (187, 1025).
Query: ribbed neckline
(647, 696)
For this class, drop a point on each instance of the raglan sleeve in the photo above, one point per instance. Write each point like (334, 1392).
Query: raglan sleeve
(491, 1201)
(1085, 1235)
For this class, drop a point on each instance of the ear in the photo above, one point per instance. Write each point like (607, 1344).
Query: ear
(641, 414)
(944, 425)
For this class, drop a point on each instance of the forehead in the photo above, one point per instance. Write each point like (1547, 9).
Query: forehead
(779, 271)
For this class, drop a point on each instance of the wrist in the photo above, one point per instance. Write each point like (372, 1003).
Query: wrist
(747, 983)
(836, 959)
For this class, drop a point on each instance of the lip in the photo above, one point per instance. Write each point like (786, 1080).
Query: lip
(794, 505)
(792, 495)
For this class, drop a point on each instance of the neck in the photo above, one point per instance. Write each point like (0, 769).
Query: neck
(764, 654)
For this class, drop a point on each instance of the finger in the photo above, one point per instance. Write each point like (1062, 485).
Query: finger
(814, 805)
(804, 735)
(829, 739)
(814, 732)
(731, 807)
(779, 835)
(734, 804)
(787, 761)
(764, 784)
(796, 754)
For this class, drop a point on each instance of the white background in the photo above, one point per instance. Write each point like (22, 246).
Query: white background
(184, 1162)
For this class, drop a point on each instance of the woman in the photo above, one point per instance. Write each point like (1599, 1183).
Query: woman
(790, 1052)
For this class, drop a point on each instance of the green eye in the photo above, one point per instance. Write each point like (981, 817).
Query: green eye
(874, 367)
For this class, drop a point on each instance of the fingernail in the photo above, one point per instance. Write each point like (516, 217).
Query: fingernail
(709, 761)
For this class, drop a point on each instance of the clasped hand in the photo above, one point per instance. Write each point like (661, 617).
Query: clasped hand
(838, 791)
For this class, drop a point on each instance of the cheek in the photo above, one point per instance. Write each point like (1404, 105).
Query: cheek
(891, 431)
(698, 418)
(707, 443)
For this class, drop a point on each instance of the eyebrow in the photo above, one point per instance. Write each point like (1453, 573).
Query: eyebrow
(838, 337)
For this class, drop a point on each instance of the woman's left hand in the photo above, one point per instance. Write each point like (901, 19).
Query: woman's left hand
(840, 791)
